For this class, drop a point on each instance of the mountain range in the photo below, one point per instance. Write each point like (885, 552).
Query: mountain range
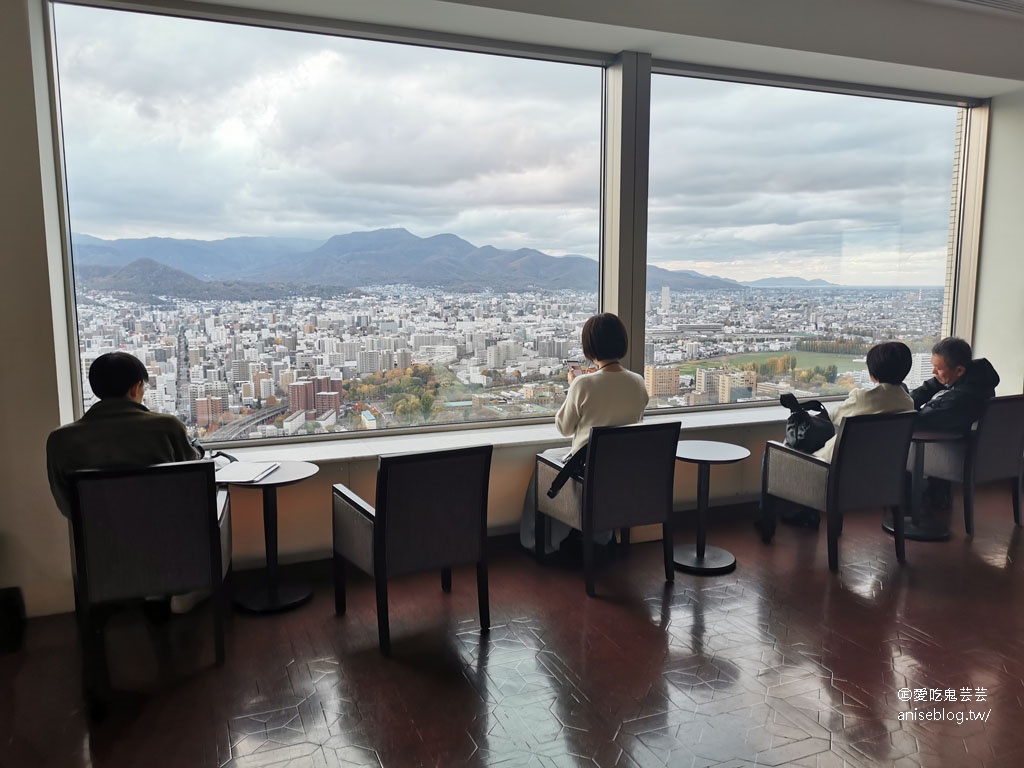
(269, 267)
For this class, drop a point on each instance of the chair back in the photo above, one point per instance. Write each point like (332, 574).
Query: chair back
(869, 461)
(145, 531)
(431, 509)
(998, 439)
(629, 475)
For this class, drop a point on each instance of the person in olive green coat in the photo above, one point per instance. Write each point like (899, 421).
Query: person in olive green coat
(118, 431)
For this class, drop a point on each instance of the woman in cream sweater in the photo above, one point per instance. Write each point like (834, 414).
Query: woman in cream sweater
(607, 396)
(888, 364)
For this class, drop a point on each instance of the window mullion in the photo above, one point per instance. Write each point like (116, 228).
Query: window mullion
(624, 227)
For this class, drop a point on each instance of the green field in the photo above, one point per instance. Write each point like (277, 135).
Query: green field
(804, 360)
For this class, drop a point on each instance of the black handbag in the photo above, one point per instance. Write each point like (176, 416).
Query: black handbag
(808, 427)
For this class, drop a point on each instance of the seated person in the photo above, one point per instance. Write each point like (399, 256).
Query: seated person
(118, 431)
(888, 364)
(951, 401)
(609, 396)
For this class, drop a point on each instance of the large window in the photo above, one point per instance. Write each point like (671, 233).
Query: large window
(789, 230)
(305, 234)
(314, 234)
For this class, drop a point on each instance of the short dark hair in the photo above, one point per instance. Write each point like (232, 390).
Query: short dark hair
(113, 374)
(604, 337)
(889, 362)
(955, 351)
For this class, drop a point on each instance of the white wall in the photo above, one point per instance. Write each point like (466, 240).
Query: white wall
(34, 551)
(999, 317)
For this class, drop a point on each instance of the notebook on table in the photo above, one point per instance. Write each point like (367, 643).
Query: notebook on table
(245, 471)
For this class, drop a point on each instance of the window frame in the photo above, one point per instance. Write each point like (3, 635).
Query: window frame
(625, 140)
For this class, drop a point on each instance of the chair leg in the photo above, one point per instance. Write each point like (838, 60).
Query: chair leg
(219, 600)
(898, 519)
(482, 595)
(765, 524)
(969, 507)
(540, 534)
(339, 584)
(668, 550)
(95, 675)
(588, 561)
(1015, 486)
(624, 539)
(383, 627)
(833, 525)
(446, 580)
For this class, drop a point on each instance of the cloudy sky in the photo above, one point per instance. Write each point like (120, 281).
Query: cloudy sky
(183, 128)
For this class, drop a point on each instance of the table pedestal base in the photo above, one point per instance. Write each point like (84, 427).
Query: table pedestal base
(264, 599)
(925, 530)
(715, 560)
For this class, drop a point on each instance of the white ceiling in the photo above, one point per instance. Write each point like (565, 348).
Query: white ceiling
(924, 46)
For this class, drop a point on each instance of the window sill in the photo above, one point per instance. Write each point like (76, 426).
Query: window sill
(540, 436)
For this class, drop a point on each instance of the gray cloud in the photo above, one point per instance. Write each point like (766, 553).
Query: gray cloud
(184, 128)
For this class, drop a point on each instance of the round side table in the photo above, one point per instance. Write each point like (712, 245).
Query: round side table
(273, 596)
(700, 558)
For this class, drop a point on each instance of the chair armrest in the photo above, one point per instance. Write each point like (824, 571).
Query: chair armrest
(355, 501)
(223, 503)
(224, 527)
(796, 476)
(775, 445)
(353, 526)
(550, 461)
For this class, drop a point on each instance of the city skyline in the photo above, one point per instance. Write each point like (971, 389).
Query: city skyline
(398, 357)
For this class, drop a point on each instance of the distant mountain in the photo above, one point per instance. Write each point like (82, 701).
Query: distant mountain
(148, 280)
(447, 261)
(379, 257)
(788, 282)
(231, 258)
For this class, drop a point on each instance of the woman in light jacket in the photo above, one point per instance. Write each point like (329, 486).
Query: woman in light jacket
(888, 364)
(608, 396)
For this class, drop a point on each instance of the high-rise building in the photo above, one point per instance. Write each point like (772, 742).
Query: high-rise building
(734, 385)
(326, 401)
(920, 369)
(301, 396)
(707, 381)
(666, 300)
(661, 382)
(208, 410)
(368, 361)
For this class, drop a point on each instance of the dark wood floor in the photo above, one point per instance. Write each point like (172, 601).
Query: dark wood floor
(778, 663)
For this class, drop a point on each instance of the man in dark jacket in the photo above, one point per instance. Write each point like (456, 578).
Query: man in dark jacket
(954, 398)
(118, 431)
(951, 401)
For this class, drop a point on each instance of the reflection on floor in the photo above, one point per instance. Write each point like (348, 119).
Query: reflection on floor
(779, 663)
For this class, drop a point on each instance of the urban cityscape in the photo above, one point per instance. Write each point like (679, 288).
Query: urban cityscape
(402, 356)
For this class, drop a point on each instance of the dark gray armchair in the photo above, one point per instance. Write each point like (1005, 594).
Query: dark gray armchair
(627, 482)
(993, 451)
(144, 532)
(868, 469)
(431, 513)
